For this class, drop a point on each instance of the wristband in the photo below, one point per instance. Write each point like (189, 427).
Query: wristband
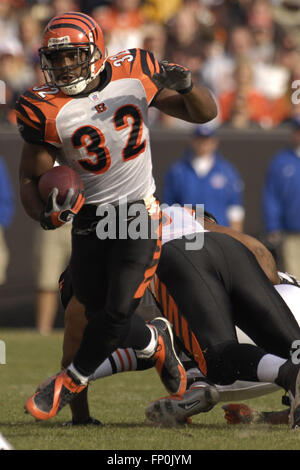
(186, 90)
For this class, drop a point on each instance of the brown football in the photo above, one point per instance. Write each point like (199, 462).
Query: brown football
(61, 177)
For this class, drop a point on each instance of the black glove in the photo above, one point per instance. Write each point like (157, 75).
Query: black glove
(173, 76)
(54, 215)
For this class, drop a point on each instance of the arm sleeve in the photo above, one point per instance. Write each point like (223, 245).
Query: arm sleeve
(33, 125)
(143, 67)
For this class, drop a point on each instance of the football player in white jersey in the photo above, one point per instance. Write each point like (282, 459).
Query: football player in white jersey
(221, 359)
(91, 115)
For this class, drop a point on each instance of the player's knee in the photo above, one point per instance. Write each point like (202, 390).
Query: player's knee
(219, 369)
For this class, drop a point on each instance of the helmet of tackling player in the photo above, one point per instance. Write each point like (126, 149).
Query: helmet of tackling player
(72, 52)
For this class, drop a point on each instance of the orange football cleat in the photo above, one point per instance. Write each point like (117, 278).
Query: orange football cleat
(51, 398)
(167, 364)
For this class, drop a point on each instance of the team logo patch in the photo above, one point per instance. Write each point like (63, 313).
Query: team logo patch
(100, 107)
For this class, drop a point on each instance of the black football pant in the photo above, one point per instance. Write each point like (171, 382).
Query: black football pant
(110, 277)
(206, 292)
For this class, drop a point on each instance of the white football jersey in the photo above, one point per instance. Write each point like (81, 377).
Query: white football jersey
(178, 222)
(103, 135)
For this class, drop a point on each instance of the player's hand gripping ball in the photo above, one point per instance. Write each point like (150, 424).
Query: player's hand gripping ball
(63, 191)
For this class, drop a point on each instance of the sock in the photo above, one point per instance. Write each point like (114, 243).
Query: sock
(287, 376)
(82, 378)
(121, 360)
(147, 352)
(268, 368)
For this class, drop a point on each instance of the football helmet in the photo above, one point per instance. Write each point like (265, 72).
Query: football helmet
(72, 52)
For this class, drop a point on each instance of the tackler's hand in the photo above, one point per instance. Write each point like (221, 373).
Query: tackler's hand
(237, 413)
(55, 215)
(173, 76)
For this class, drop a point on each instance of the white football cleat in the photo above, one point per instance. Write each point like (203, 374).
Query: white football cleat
(176, 410)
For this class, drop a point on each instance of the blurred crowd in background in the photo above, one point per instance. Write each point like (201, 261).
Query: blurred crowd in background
(246, 51)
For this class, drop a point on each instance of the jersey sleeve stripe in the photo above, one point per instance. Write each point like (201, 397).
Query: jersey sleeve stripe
(35, 112)
(22, 113)
(149, 64)
(29, 94)
(153, 62)
(28, 116)
(144, 63)
(25, 120)
(31, 121)
(133, 53)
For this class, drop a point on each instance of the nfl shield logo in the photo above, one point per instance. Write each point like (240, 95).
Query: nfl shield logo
(95, 97)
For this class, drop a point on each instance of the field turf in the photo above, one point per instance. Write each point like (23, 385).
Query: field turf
(119, 403)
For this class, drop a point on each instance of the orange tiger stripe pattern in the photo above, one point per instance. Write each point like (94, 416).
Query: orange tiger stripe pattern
(179, 322)
(149, 273)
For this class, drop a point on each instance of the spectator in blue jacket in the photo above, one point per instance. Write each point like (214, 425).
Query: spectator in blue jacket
(204, 176)
(281, 202)
(6, 215)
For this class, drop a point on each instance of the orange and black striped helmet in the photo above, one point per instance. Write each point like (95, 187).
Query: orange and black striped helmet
(81, 39)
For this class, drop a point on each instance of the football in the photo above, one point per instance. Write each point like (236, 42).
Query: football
(61, 177)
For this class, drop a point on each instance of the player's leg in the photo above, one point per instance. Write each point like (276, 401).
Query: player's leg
(132, 264)
(192, 292)
(259, 310)
(75, 323)
(238, 412)
(223, 358)
(194, 300)
(109, 319)
(121, 360)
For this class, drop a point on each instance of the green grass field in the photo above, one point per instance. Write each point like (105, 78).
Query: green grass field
(119, 403)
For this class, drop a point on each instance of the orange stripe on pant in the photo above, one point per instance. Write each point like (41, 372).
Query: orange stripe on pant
(181, 326)
(149, 273)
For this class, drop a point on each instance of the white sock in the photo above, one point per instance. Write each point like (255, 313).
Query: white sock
(121, 360)
(82, 378)
(150, 349)
(268, 367)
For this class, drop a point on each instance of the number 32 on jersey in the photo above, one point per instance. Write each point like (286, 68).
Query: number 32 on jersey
(98, 159)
